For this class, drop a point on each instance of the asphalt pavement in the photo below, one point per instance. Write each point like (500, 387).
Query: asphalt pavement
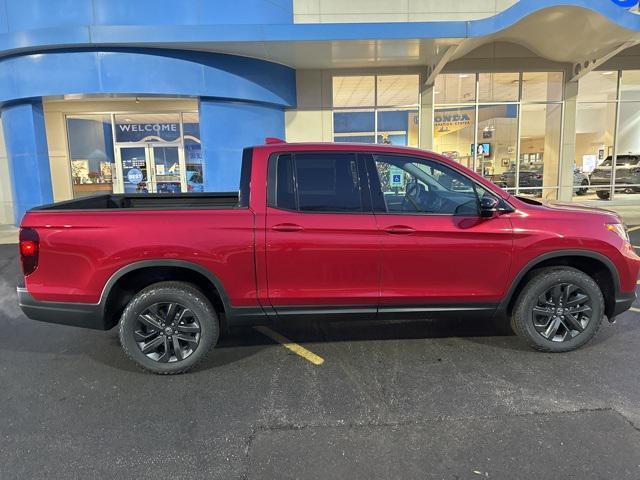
(421, 399)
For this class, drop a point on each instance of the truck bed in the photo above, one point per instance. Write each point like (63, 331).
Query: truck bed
(145, 201)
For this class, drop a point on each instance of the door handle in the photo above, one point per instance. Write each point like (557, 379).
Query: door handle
(287, 227)
(399, 230)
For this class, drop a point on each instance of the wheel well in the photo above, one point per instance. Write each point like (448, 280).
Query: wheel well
(593, 267)
(132, 282)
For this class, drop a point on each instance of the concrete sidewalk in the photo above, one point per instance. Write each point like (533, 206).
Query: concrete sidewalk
(8, 234)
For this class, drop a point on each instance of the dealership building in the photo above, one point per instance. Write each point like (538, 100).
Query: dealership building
(101, 96)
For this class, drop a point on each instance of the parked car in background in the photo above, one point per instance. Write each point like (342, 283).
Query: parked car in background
(324, 231)
(532, 178)
(627, 173)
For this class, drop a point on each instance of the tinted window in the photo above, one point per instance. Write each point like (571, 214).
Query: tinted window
(411, 185)
(327, 182)
(315, 182)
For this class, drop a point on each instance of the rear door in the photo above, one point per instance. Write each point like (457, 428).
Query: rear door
(322, 242)
(437, 253)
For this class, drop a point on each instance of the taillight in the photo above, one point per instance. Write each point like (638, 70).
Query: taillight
(29, 250)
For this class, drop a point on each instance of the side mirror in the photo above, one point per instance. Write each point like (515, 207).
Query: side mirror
(488, 206)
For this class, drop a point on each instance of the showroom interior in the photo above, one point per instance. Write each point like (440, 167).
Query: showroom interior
(164, 103)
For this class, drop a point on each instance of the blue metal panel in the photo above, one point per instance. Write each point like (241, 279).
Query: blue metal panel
(4, 28)
(192, 12)
(161, 72)
(40, 23)
(26, 144)
(228, 127)
(35, 14)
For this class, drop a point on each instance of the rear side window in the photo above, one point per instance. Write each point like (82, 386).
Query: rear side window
(316, 182)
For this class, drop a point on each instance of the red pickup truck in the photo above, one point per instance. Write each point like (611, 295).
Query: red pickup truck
(324, 231)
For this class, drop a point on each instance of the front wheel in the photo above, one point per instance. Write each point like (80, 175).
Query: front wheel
(168, 327)
(584, 189)
(603, 194)
(558, 310)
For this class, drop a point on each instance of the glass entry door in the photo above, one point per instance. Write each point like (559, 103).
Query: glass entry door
(135, 167)
(167, 171)
(151, 168)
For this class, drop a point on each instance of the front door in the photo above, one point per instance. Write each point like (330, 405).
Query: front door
(135, 166)
(167, 171)
(322, 243)
(151, 168)
(437, 253)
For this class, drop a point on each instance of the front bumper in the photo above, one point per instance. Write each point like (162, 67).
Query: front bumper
(87, 315)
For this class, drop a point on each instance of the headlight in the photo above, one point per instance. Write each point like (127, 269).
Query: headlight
(619, 229)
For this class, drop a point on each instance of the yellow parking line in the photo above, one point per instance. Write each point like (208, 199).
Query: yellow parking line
(294, 347)
(633, 229)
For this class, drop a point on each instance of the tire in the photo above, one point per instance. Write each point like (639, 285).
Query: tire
(541, 289)
(603, 194)
(584, 189)
(145, 324)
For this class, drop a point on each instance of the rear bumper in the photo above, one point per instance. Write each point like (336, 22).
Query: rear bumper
(623, 303)
(86, 315)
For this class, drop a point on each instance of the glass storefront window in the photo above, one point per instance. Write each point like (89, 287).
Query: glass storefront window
(542, 86)
(389, 113)
(193, 151)
(630, 85)
(497, 139)
(397, 91)
(540, 150)
(627, 170)
(91, 154)
(354, 126)
(455, 88)
(498, 87)
(354, 91)
(135, 153)
(595, 130)
(398, 127)
(453, 133)
(598, 87)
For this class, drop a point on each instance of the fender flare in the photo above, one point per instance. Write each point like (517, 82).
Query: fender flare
(502, 308)
(108, 287)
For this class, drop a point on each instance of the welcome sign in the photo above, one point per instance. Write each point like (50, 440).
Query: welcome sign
(147, 132)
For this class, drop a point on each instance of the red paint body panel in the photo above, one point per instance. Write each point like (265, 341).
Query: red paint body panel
(334, 259)
(80, 251)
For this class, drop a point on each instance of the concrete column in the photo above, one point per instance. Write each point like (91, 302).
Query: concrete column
(426, 117)
(568, 151)
(26, 144)
(225, 129)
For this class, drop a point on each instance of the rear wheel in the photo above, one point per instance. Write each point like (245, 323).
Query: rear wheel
(168, 327)
(603, 194)
(558, 310)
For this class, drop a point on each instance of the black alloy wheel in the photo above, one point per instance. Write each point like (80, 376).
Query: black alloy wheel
(559, 309)
(167, 332)
(562, 312)
(169, 327)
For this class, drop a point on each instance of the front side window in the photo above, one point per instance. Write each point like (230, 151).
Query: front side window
(316, 182)
(411, 185)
